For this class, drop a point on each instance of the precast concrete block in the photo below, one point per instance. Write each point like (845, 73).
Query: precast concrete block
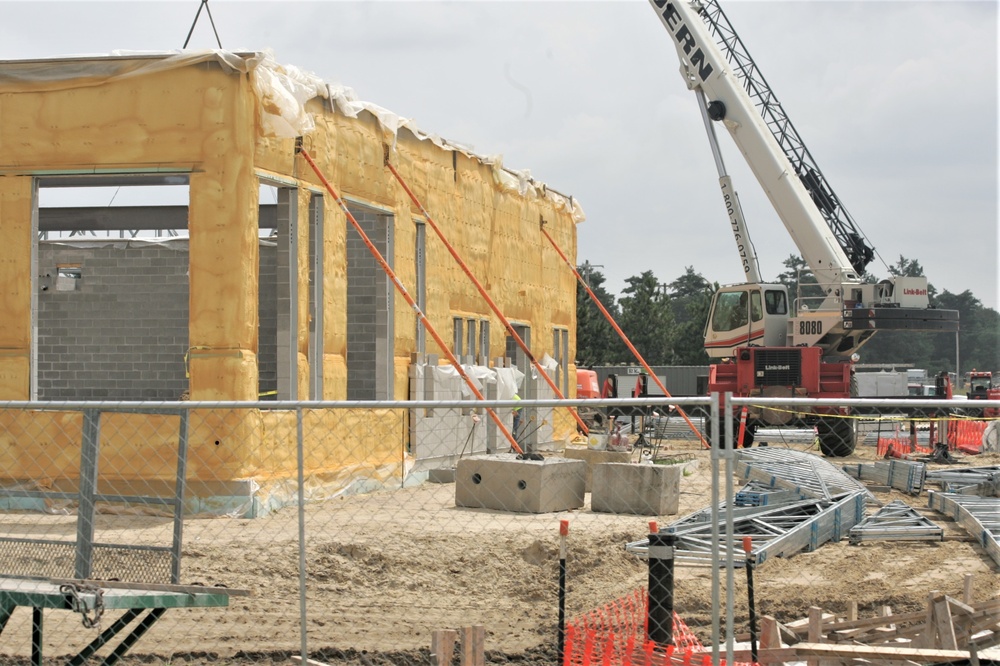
(505, 483)
(649, 490)
(594, 457)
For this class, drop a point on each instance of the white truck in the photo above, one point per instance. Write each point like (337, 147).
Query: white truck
(766, 343)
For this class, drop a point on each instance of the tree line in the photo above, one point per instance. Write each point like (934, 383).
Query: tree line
(665, 322)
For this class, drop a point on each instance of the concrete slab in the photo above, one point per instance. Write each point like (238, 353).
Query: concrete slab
(523, 486)
(594, 457)
(649, 490)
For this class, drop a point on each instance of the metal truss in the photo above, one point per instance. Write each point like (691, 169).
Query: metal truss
(905, 475)
(756, 493)
(983, 481)
(775, 531)
(896, 521)
(980, 516)
(801, 471)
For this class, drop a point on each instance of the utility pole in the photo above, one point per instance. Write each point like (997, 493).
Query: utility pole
(586, 269)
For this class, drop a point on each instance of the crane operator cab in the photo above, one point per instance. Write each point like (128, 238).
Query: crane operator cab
(746, 315)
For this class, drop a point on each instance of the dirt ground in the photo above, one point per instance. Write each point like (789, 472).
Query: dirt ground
(387, 568)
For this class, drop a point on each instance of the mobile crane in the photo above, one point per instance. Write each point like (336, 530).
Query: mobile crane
(766, 344)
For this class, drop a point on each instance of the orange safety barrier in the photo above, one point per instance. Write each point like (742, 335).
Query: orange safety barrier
(966, 436)
(615, 635)
(898, 448)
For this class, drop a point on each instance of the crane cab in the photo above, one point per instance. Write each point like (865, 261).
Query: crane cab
(746, 315)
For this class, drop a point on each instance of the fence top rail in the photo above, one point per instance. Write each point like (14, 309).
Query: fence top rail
(178, 407)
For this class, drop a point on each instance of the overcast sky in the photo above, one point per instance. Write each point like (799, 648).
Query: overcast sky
(896, 101)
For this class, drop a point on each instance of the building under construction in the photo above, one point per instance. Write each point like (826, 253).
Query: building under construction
(235, 295)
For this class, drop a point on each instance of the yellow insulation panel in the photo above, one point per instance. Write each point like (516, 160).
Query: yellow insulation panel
(160, 119)
(41, 446)
(332, 440)
(222, 374)
(207, 121)
(15, 287)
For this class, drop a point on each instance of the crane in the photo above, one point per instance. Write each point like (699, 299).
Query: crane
(767, 343)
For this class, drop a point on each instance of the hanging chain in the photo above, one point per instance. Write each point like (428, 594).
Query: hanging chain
(91, 617)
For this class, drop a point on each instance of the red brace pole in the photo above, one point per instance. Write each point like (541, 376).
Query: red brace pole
(409, 300)
(621, 334)
(483, 293)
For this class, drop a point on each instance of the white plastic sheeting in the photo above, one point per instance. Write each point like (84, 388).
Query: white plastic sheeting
(282, 92)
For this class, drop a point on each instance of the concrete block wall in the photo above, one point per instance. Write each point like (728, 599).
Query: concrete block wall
(538, 432)
(363, 282)
(439, 437)
(121, 334)
(267, 336)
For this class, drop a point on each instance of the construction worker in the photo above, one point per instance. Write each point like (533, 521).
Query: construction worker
(517, 414)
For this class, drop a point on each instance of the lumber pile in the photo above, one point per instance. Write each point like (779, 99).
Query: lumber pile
(947, 630)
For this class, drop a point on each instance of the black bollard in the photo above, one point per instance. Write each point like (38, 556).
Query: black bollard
(748, 549)
(561, 637)
(660, 621)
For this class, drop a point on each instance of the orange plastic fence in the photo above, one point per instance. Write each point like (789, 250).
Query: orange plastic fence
(962, 435)
(615, 635)
(966, 436)
(897, 448)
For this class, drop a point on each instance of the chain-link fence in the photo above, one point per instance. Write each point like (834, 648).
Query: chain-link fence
(414, 532)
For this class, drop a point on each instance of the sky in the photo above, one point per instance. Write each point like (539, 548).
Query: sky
(895, 100)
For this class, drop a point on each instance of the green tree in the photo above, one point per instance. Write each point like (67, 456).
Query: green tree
(979, 334)
(690, 299)
(596, 341)
(647, 318)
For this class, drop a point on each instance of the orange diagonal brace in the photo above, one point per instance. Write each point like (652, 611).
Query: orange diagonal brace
(621, 334)
(482, 291)
(409, 300)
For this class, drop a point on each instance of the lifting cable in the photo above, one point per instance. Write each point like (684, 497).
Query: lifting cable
(409, 299)
(622, 335)
(482, 292)
(204, 4)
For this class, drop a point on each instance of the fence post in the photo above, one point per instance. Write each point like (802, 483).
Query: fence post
(89, 457)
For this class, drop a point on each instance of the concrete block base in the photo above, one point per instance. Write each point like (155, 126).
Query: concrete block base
(594, 457)
(523, 486)
(649, 490)
(441, 475)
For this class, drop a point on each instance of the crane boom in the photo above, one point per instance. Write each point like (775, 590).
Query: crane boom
(844, 316)
(848, 235)
(705, 68)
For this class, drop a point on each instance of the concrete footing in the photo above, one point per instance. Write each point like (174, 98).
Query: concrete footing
(594, 457)
(524, 486)
(650, 490)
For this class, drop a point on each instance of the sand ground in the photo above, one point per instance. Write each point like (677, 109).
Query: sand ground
(387, 568)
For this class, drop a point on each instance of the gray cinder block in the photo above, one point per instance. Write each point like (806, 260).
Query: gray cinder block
(524, 486)
(650, 490)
